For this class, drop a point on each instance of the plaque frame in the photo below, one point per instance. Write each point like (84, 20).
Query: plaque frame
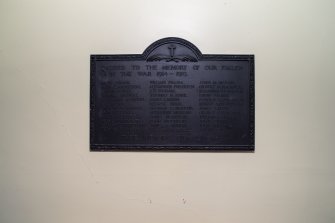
(173, 148)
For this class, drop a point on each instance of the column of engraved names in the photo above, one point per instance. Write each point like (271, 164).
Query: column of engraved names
(169, 109)
(219, 102)
(121, 101)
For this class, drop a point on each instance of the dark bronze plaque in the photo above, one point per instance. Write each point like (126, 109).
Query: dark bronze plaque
(172, 97)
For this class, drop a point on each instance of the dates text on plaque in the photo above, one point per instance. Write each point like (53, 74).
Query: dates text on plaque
(172, 97)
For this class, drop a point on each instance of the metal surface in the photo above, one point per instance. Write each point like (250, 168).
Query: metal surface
(172, 98)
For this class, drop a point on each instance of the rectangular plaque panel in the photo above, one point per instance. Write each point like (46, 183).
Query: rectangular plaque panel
(172, 97)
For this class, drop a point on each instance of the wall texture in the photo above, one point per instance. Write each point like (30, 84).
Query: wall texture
(47, 173)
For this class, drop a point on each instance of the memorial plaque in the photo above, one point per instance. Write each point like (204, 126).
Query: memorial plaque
(172, 98)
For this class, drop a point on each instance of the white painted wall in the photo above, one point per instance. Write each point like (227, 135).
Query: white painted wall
(47, 173)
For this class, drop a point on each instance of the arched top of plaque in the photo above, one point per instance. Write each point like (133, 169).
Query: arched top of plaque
(172, 49)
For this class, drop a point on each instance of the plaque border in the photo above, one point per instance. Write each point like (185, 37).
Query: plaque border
(174, 148)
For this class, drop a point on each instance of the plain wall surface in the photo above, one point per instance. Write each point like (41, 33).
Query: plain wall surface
(47, 173)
